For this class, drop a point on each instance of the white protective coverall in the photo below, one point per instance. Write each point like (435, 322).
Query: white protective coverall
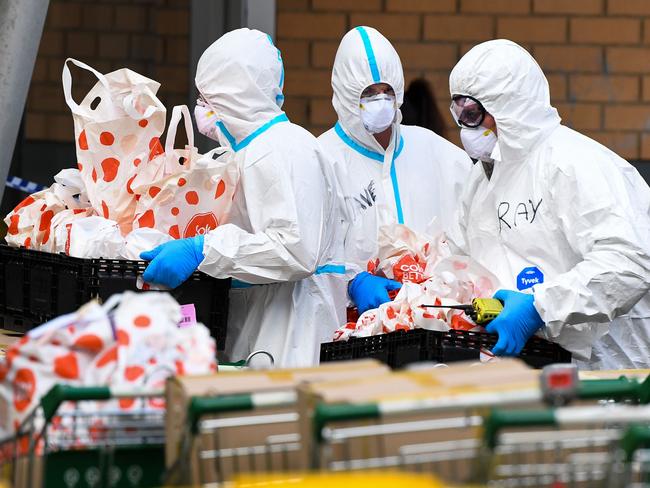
(562, 216)
(281, 233)
(418, 178)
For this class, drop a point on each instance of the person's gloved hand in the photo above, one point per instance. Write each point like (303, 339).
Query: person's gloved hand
(173, 262)
(517, 322)
(369, 291)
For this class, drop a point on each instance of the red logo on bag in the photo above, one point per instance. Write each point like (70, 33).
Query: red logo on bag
(24, 386)
(201, 224)
(408, 269)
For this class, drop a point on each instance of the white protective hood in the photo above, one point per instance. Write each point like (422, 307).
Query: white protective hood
(561, 217)
(364, 57)
(498, 74)
(241, 76)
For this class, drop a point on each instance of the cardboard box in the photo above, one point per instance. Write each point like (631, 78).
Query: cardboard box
(444, 385)
(230, 437)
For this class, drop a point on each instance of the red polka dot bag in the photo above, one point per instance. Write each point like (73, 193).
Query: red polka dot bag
(117, 128)
(182, 193)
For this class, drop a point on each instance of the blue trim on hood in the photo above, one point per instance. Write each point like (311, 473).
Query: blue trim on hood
(362, 150)
(247, 140)
(380, 158)
(370, 54)
(279, 99)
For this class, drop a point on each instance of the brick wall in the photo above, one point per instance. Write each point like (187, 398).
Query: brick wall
(148, 36)
(595, 53)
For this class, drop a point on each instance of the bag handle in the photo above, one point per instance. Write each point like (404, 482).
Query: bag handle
(178, 112)
(129, 102)
(66, 78)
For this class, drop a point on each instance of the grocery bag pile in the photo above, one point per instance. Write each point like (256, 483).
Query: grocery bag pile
(119, 344)
(129, 193)
(430, 275)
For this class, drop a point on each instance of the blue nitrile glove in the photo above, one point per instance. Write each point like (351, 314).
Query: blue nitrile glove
(517, 322)
(369, 291)
(173, 262)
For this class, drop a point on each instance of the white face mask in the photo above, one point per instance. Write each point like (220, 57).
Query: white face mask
(478, 142)
(377, 112)
(206, 121)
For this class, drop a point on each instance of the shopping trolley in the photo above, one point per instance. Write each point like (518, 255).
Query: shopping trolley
(562, 447)
(441, 434)
(65, 442)
(231, 434)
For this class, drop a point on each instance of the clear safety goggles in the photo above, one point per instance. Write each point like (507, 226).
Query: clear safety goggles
(467, 111)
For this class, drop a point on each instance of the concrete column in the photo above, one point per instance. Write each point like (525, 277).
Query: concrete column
(21, 28)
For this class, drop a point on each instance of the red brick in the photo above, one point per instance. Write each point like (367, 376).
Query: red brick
(60, 128)
(458, 27)
(495, 6)
(625, 144)
(310, 26)
(51, 43)
(114, 46)
(569, 58)
(63, 15)
(628, 117)
(628, 59)
(557, 85)
(46, 97)
(295, 54)
(148, 47)
(628, 7)
(356, 5)
(439, 82)
(528, 29)
(421, 6)
(427, 56)
(583, 7)
(40, 70)
(605, 31)
(645, 146)
(81, 45)
(646, 88)
(132, 18)
(35, 126)
(98, 17)
(172, 22)
(308, 82)
(297, 110)
(395, 27)
(580, 116)
(172, 78)
(292, 5)
(177, 50)
(323, 54)
(603, 88)
(321, 112)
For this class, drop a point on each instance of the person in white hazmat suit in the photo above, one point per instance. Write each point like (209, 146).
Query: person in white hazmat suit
(561, 220)
(393, 173)
(279, 244)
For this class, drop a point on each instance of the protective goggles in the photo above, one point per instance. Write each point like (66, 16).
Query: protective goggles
(467, 111)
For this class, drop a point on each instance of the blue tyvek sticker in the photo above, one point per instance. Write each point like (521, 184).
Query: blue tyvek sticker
(529, 277)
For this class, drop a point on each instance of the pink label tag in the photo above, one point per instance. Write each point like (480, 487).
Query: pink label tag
(188, 313)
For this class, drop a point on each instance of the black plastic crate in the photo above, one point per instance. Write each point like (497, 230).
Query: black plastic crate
(37, 286)
(405, 347)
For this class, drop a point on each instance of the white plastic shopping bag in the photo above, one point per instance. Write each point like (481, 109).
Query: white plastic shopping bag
(184, 194)
(117, 128)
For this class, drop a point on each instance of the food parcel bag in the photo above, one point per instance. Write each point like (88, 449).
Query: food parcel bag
(182, 193)
(132, 341)
(430, 275)
(33, 223)
(117, 127)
